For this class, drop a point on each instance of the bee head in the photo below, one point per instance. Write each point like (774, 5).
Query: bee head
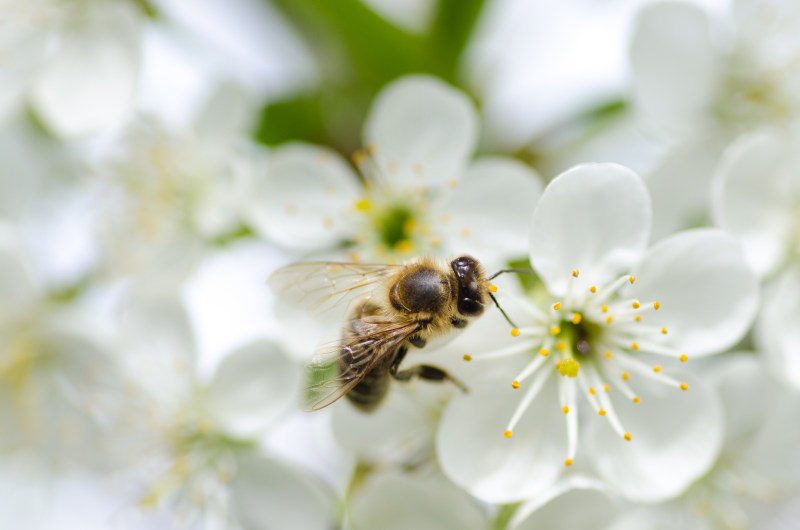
(471, 290)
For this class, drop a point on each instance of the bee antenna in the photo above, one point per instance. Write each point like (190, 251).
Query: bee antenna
(501, 310)
(503, 271)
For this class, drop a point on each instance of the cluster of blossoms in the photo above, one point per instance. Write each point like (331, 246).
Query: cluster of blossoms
(642, 371)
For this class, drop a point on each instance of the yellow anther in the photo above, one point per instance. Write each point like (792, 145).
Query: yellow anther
(544, 352)
(593, 289)
(575, 273)
(435, 242)
(602, 412)
(467, 357)
(355, 257)
(656, 305)
(561, 345)
(568, 462)
(404, 246)
(684, 386)
(576, 318)
(557, 306)
(627, 437)
(558, 364)
(610, 319)
(452, 183)
(663, 331)
(465, 232)
(635, 346)
(684, 358)
(604, 309)
(565, 409)
(372, 148)
(591, 390)
(638, 318)
(507, 434)
(609, 355)
(631, 279)
(555, 330)
(514, 384)
(606, 388)
(636, 399)
(359, 157)
(515, 332)
(656, 368)
(625, 376)
(635, 305)
(569, 367)
(493, 288)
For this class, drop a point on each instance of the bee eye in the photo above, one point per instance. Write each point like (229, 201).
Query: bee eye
(469, 307)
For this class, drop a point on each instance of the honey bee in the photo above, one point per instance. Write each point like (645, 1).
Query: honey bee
(390, 308)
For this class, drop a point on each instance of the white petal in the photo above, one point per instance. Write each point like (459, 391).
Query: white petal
(89, 83)
(708, 293)
(744, 387)
(304, 198)
(397, 502)
(270, 495)
(423, 130)
(228, 113)
(670, 46)
(252, 388)
(490, 209)
(594, 218)
(777, 333)
(676, 437)
(756, 193)
(558, 509)
(17, 291)
(475, 455)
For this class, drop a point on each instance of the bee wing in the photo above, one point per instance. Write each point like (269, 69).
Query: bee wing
(321, 286)
(357, 356)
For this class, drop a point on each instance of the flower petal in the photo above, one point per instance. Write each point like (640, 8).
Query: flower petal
(672, 44)
(756, 192)
(475, 455)
(269, 494)
(708, 293)
(397, 502)
(17, 291)
(743, 387)
(252, 388)
(557, 507)
(303, 200)
(89, 84)
(490, 209)
(594, 218)
(676, 437)
(777, 333)
(422, 129)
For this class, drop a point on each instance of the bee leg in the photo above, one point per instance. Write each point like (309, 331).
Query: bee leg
(417, 341)
(427, 372)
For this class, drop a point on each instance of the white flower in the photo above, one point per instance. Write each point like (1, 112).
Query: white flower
(598, 353)
(199, 443)
(755, 479)
(757, 199)
(421, 194)
(76, 62)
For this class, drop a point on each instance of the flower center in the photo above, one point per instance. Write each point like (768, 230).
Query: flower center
(395, 226)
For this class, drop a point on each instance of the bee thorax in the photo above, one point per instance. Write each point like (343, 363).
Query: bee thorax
(424, 290)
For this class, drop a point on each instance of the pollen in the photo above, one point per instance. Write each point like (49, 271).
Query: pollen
(627, 437)
(592, 289)
(557, 306)
(602, 412)
(636, 399)
(684, 386)
(625, 376)
(591, 390)
(404, 246)
(515, 332)
(569, 367)
(467, 357)
(507, 434)
(635, 305)
(493, 288)
(610, 319)
(606, 388)
(632, 279)
(565, 409)
(515, 384)
(635, 346)
(561, 345)
(576, 318)
(684, 358)
(604, 309)
(544, 352)
(663, 331)
(568, 462)
(575, 273)
(656, 368)
(465, 232)
(656, 305)
(638, 318)
(555, 330)
(609, 355)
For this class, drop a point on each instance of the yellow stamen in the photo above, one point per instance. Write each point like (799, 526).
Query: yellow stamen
(627, 437)
(602, 412)
(635, 305)
(515, 384)
(684, 358)
(609, 355)
(593, 289)
(656, 369)
(576, 318)
(359, 157)
(663, 331)
(565, 409)
(610, 319)
(465, 232)
(446, 218)
(656, 305)
(635, 346)
(467, 357)
(636, 399)
(557, 306)
(555, 330)
(569, 367)
(561, 345)
(568, 462)
(606, 388)
(575, 273)
(632, 279)
(515, 332)
(638, 318)
(684, 386)
(544, 352)
(625, 376)
(372, 148)
(507, 434)
(493, 288)
(591, 390)
(404, 246)
(604, 309)
(452, 183)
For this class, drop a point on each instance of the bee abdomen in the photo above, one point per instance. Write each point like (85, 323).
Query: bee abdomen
(370, 391)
